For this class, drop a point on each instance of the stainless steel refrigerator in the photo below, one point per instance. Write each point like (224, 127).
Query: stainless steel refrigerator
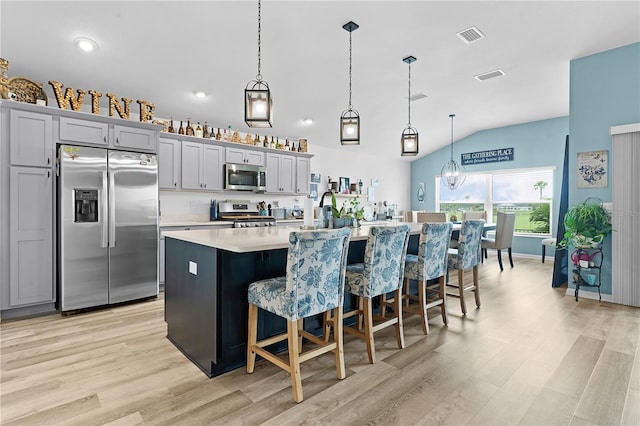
(107, 226)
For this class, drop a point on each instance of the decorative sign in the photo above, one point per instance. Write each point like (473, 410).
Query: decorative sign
(592, 169)
(123, 110)
(490, 156)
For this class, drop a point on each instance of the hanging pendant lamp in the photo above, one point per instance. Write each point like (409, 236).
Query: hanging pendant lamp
(409, 140)
(258, 104)
(452, 174)
(350, 119)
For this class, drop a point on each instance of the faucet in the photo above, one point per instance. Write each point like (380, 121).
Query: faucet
(322, 198)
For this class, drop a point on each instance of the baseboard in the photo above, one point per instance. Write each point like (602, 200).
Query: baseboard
(584, 294)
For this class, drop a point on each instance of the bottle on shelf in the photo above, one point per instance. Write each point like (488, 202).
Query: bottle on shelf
(189, 129)
(272, 144)
(198, 131)
(171, 129)
(228, 133)
(256, 141)
(40, 99)
(205, 131)
(181, 129)
(293, 146)
(219, 135)
(287, 147)
(265, 142)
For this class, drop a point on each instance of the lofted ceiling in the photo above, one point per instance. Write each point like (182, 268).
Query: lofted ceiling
(163, 51)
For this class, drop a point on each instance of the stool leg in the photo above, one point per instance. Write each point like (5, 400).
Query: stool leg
(543, 252)
(294, 361)
(368, 329)
(252, 337)
(326, 327)
(338, 336)
(422, 300)
(510, 257)
(463, 306)
(476, 291)
(500, 260)
(443, 296)
(300, 339)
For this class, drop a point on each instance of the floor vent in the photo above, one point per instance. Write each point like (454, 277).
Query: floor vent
(470, 35)
(490, 74)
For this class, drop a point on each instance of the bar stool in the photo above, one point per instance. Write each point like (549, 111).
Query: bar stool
(380, 273)
(551, 242)
(429, 264)
(467, 256)
(314, 284)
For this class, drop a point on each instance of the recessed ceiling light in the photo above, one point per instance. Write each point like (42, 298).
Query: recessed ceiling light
(200, 94)
(86, 44)
(307, 121)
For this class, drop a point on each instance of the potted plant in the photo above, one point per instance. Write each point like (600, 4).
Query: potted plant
(586, 225)
(343, 217)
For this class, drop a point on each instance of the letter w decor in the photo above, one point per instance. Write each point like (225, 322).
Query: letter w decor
(63, 102)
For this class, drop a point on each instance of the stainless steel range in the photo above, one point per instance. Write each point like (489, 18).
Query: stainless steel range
(244, 215)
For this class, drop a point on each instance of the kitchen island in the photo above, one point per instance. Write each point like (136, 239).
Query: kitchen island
(207, 274)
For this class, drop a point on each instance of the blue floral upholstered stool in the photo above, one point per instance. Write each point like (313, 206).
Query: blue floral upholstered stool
(314, 284)
(429, 264)
(381, 272)
(467, 256)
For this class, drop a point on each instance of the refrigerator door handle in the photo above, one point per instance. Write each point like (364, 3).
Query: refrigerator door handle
(105, 220)
(112, 211)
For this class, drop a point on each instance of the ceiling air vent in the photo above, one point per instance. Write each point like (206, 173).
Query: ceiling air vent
(490, 74)
(417, 96)
(470, 35)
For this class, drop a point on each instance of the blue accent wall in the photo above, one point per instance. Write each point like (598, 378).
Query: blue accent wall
(535, 144)
(604, 92)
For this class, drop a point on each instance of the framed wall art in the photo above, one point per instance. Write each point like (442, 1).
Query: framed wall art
(593, 169)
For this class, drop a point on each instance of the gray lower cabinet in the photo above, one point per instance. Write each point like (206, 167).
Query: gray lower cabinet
(281, 173)
(202, 166)
(31, 139)
(31, 236)
(169, 164)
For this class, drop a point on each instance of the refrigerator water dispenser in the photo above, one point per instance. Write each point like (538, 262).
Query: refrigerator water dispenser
(86, 205)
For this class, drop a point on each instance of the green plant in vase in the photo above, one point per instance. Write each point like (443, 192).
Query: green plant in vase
(586, 225)
(342, 216)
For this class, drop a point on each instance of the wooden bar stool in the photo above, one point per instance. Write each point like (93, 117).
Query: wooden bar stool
(429, 264)
(466, 256)
(314, 284)
(380, 273)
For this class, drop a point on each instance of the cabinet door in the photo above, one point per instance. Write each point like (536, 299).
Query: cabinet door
(31, 236)
(255, 158)
(31, 139)
(273, 173)
(169, 164)
(83, 131)
(287, 174)
(234, 155)
(302, 175)
(191, 165)
(138, 139)
(212, 160)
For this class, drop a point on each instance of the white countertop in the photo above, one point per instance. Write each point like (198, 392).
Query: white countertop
(243, 240)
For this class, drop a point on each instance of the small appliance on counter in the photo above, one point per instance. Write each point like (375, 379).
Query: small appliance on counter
(243, 214)
(213, 210)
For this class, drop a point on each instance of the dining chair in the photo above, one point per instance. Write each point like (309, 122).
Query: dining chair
(471, 215)
(503, 239)
(428, 268)
(466, 256)
(314, 284)
(431, 217)
(380, 273)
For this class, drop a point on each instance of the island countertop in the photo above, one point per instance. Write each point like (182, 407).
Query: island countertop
(244, 240)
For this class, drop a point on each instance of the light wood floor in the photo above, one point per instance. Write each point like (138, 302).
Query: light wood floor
(530, 355)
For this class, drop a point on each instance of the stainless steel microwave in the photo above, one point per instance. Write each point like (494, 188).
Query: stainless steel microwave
(244, 177)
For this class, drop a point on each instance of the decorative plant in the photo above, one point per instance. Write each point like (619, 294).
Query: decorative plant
(355, 210)
(586, 225)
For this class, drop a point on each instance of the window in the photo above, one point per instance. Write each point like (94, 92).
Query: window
(526, 192)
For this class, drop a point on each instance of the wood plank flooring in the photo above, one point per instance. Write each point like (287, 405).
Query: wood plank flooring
(529, 355)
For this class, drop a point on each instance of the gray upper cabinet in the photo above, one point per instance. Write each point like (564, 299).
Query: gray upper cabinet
(31, 139)
(303, 170)
(31, 236)
(202, 166)
(134, 138)
(281, 173)
(169, 164)
(73, 130)
(244, 156)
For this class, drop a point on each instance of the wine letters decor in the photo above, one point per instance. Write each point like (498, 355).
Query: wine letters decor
(123, 110)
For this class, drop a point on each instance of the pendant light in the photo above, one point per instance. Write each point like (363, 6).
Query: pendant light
(409, 138)
(452, 174)
(258, 104)
(350, 120)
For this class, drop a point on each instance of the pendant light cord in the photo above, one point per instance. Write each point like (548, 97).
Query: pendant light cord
(350, 106)
(259, 76)
(452, 115)
(409, 97)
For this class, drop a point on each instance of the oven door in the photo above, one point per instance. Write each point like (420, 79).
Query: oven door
(243, 177)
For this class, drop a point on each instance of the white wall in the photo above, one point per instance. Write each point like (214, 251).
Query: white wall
(353, 162)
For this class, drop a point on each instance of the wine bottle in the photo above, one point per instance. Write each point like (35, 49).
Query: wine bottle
(181, 129)
(219, 135)
(189, 129)
(229, 133)
(205, 131)
(256, 141)
(272, 144)
(198, 131)
(265, 142)
(40, 99)
(171, 129)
